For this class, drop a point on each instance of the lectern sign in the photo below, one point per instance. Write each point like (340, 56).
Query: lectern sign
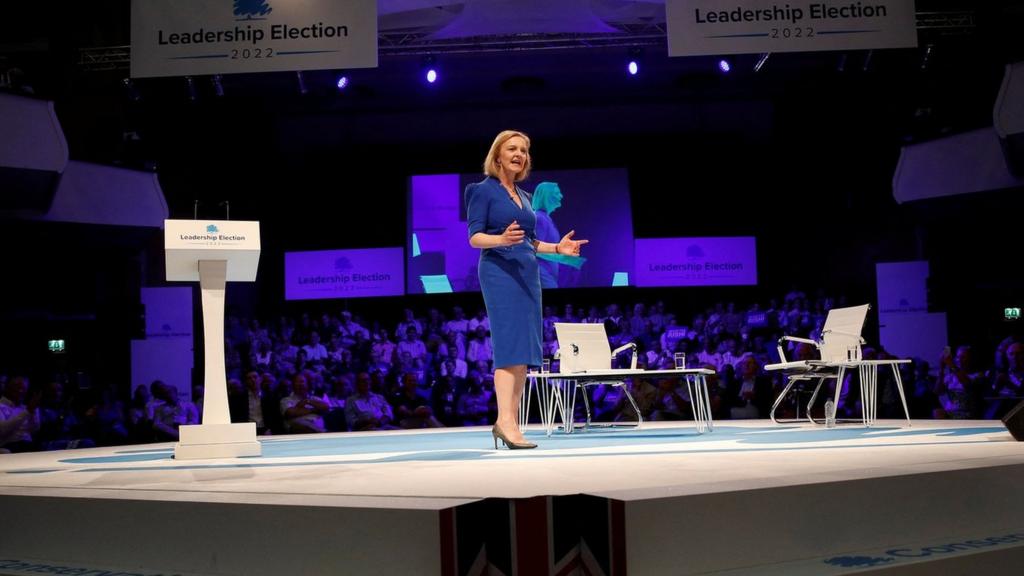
(195, 240)
(703, 27)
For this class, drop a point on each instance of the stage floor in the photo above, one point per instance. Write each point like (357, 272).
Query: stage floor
(437, 469)
(662, 499)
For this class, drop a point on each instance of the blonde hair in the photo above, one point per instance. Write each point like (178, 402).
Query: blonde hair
(491, 161)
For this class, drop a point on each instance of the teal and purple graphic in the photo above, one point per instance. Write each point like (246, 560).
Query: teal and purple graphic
(343, 273)
(709, 261)
(594, 203)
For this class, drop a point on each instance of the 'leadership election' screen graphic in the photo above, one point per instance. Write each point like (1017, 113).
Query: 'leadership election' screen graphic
(358, 273)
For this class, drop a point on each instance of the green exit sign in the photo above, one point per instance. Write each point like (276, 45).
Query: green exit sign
(1011, 313)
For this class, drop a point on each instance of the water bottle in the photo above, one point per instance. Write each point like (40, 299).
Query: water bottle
(830, 414)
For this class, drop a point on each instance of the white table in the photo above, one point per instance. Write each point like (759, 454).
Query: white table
(556, 394)
(868, 372)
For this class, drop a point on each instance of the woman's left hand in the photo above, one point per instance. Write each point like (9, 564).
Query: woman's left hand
(569, 247)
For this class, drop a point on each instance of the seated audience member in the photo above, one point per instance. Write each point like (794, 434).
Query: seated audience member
(412, 409)
(351, 330)
(673, 400)
(105, 418)
(382, 352)
(60, 428)
(367, 410)
(155, 398)
(957, 385)
(473, 407)
(172, 413)
(248, 403)
(19, 419)
(410, 322)
(316, 352)
(479, 320)
(479, 348)
(1007, 387)
(263, 357)
(454, 366)
(444, 400)
(644, 394)
(752, 392)
(459, 324)
(341, 388)
(140, 419)
(303, 412)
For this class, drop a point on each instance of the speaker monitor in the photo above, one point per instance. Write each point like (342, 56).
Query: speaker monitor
(1014, 421)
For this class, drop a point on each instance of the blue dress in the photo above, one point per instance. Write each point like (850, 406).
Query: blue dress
(509, 277)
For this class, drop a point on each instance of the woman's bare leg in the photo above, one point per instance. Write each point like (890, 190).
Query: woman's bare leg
(509, 380)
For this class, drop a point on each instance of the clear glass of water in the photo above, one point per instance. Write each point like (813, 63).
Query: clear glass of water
(680, 359)
(545, 366)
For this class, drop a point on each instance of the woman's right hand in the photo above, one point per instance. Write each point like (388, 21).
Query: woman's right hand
(513, 234)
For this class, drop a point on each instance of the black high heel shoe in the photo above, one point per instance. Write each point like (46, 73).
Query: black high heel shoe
(497, 432)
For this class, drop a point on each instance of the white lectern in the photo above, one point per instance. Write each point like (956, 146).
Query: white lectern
(213, 252)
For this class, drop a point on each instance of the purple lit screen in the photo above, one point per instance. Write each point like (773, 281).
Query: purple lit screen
(595, 203)
(343, 273)
(726, 261)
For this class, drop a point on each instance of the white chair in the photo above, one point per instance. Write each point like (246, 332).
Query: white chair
(583, 348)
(840, 344)
(585, 360)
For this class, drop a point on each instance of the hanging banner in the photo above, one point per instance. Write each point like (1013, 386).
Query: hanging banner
(200, 37)
(711, 27)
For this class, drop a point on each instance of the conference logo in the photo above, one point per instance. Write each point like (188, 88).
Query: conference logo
(903, 555)
(857, 561)
(251, 9)
(694, 251)
(343, 263)
(212, 229)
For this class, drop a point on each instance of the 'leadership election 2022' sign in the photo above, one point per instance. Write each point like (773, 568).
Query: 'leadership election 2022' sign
(708, 261)
(355, 273)
(195, 37)
(700, 27)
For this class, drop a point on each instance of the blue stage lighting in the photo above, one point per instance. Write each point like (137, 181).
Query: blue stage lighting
(633, 67)
(724, 66)
(342, 82)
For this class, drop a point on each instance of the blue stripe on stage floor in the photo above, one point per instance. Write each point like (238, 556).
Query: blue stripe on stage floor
(477, 444)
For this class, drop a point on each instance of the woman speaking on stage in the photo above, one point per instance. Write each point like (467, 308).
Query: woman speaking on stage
(502, 225)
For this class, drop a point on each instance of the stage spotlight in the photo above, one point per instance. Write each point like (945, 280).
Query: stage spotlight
(190, 89)
(342, 82)
(430, 69)
(303, 90)
(724, 66)
(218, 85)
(760, 61)
(633, 66)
